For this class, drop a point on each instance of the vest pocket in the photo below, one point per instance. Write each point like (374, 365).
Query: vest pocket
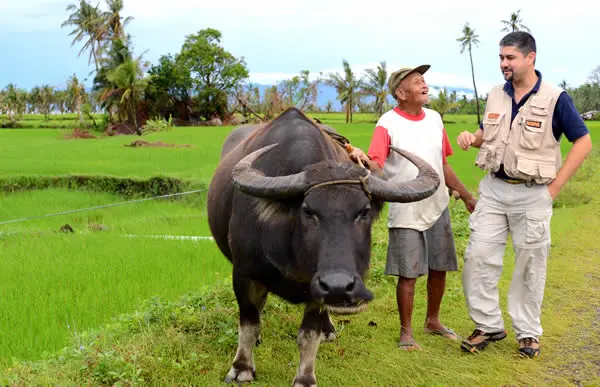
(486, 158)
(532, 133)
(534, 168)
(547, 170)
(491, 127)
(540, 105)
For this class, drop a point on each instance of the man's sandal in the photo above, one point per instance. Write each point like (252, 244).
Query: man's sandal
(409, 346)
(480, 339)
(444, 332)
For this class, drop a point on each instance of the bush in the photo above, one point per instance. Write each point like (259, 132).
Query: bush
(125, 187)
(158, 125)
(10, 124)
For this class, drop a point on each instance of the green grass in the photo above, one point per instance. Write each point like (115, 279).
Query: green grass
(45, 152)
(193, 341)
(54, 284)
(67, 283)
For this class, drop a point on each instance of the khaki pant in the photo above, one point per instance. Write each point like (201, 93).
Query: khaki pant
(525, 212)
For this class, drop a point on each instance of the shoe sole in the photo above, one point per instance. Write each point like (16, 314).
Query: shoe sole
(472, 348)
(528, 354)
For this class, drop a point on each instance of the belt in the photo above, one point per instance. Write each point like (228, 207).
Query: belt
(510, 180)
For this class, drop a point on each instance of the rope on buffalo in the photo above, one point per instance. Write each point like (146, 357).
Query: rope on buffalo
(363, 181)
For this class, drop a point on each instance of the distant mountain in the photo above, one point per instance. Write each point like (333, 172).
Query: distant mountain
(328, 93)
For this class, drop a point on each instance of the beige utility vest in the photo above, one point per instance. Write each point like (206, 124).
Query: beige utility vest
(527, 148)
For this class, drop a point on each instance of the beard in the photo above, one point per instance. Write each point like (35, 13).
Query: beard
(508, 74)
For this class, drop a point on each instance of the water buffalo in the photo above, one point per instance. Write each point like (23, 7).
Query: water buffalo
(293, 213)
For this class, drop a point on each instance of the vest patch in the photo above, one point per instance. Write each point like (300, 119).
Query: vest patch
(533, 124)
(493, 116)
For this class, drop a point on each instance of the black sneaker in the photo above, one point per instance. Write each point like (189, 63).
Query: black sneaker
(480, 339)
(529, 347)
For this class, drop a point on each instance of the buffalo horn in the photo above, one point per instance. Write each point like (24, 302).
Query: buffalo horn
(421, 187)
(255, 183)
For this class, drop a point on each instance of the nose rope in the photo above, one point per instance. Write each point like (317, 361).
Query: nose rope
(363, 181)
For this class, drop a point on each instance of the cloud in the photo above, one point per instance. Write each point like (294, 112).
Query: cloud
(433, 78)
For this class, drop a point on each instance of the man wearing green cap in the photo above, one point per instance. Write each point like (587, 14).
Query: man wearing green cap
(420, 234)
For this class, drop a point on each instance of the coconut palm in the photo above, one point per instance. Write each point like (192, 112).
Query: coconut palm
(114, 24)
(128, 83)
(86, 21)
(46, 99)
(443, 103)
(346, 87)
(375, 85)
(76, 92)
(15, 101)
(514, 23)
(563, 85)
(33, 99)
(467, 40)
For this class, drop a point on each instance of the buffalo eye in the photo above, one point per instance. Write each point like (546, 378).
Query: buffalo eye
(364, 213)
(310, 214)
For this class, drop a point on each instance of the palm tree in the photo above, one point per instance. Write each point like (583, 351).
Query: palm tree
(128, 82)
(46, 99)
(76, 93)
(563, 84)
(376, 86)
(444, 102)
(114, 25)
(514, 23)
(467, 40)
(86, 21)
(34, 99)
(15, 101)
(346, 87)
(329, 107)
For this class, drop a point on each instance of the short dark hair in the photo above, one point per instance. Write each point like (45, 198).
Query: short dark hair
(522, 40)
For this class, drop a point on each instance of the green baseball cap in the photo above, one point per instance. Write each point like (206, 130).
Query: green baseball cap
(397, 76)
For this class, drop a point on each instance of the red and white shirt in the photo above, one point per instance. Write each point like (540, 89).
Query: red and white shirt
(425, 136)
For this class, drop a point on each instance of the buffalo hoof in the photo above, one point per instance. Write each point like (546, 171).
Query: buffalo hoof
(328, 331)
(239, 376)
(305, 381)
(328, 336)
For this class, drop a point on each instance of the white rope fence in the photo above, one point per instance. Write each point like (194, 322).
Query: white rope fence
(100, 207)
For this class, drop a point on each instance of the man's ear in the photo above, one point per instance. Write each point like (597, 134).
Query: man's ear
(400, 94)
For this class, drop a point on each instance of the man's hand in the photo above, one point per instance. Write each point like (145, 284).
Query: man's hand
(358, 155)
(465, 140)
(553, 190)
(470, 204)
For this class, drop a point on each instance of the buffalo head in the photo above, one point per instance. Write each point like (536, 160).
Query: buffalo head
(335, 204)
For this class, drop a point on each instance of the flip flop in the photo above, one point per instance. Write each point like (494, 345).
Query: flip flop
(409, 346)
(444, 332)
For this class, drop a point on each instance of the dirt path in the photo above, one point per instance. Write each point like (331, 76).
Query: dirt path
(574, 290)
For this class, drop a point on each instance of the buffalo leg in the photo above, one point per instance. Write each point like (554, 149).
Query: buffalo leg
(327, 328)
(309, 338)
(251, 297)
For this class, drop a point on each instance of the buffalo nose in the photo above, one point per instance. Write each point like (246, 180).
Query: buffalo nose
(336, 287)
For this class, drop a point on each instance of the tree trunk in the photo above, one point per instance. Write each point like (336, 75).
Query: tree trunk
(474, 86)
(94, 55)
(79, 110)
(347, 112)
(133, 113)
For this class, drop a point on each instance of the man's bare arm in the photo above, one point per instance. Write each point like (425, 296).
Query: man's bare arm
(581, 148)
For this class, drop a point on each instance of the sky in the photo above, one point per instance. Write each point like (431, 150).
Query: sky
(278, 41)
